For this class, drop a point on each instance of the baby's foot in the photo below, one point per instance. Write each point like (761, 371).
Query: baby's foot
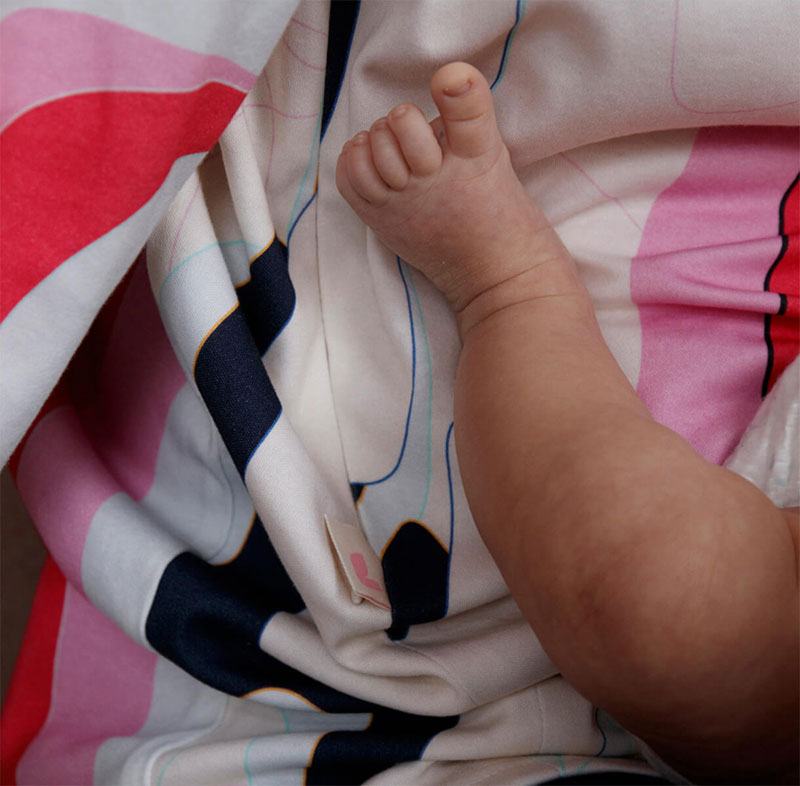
(444, 197)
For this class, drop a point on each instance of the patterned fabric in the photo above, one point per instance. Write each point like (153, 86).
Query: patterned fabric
(265, 362)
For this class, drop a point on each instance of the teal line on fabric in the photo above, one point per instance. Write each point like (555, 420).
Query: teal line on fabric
(561, 764)
(583, 766)
(314, 154)
(164, 768)
(430, 393)
(246, 763)
(177, 267)
(522, 6)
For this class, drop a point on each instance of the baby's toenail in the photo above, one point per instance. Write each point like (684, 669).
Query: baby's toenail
(379, 125)
(360, 138)
(458, 90)
(399, 111)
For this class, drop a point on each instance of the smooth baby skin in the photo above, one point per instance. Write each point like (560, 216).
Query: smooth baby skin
(665, 588)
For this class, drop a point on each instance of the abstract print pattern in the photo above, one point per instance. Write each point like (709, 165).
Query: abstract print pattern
(782, 330)
(266, 363)
(209, 618)
(711, 289)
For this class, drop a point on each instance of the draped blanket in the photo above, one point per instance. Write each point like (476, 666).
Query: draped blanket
(228, 407)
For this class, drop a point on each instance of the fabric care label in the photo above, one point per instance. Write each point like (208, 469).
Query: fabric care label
(359, 562)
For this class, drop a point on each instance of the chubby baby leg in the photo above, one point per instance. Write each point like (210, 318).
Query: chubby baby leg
(665, 588)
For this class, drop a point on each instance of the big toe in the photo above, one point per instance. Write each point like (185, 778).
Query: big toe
(465, 104)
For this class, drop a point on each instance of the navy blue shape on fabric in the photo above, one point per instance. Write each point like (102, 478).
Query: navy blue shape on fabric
(208, 618)
(268, 298)
(235, 387)
(348, 757)
(416, 569)
(341, 26)
(356, 490)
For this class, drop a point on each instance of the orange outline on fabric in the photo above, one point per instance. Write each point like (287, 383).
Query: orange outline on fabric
(210, 331)
(241, 545)
(282, 690)
(255, 257)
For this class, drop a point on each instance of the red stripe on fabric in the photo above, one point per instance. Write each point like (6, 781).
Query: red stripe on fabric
(52, 52)
(698, 283)
(75, 168)
(28, 699)
(784, 329)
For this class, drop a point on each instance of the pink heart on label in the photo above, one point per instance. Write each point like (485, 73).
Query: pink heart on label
(360, 567)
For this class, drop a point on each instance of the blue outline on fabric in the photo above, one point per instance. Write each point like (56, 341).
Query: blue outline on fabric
(297, 221)
(597, 755)
(261, 441)
(294, 305)
(521, 8)
(452, 516)
(600, 728)
(288, 319)
(430, 394)
(413, 380)
(450, 485)
(314, 155)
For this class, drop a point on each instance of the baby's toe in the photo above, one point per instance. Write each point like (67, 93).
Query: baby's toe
(422, 152)
(361, 171)
(387, 156)
(467, 110)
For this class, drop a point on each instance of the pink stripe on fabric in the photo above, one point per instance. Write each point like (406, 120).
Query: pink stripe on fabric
(46, 53)
(70, 465)
(63, 483)
(698, 280)
(102, 686)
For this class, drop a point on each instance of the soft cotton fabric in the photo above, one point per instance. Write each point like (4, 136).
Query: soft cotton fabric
(265, 362)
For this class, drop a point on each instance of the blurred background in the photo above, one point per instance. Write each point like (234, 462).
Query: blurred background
(21, 558)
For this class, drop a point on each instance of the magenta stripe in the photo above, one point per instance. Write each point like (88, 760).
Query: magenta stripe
(698, 280)
(600, 190)
(300, 59)
(69, 467)
(308, 27)
(46, 53)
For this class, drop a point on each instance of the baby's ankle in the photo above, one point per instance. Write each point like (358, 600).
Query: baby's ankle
(554, 279)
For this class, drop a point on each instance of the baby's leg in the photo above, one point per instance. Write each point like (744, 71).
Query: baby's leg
(665, 588)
